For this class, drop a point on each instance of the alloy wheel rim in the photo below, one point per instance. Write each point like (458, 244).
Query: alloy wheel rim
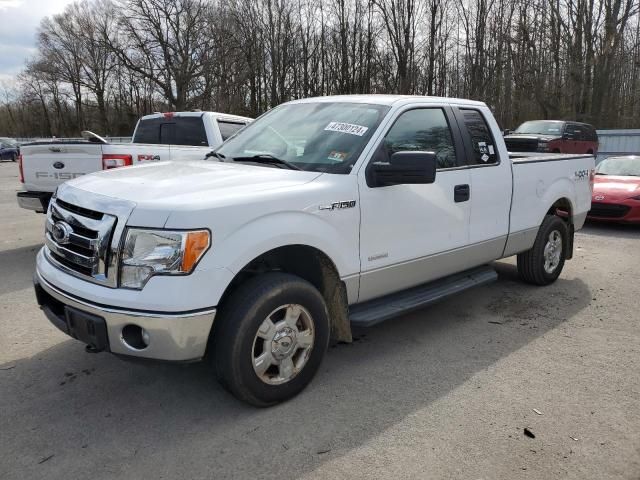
(283, 343)
(552, 252)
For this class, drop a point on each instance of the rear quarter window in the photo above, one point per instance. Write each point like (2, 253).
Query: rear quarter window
(484, 151)
(228, 129)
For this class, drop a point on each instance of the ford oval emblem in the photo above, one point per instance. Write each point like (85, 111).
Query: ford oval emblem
(61, 232)
(58, 165)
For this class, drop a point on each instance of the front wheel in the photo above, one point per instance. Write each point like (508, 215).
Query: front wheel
(270, 338)
(543, 264)
(14, 157)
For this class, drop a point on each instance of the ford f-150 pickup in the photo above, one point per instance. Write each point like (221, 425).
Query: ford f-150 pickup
(162, 136)
(322, 214)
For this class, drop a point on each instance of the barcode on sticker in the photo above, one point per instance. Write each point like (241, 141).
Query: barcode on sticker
(349, 128)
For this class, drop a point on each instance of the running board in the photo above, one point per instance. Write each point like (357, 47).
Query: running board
(378, 310)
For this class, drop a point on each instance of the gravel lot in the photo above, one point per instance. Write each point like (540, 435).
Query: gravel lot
(442, 393)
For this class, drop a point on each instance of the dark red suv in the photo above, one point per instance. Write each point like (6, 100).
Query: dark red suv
(553, 136)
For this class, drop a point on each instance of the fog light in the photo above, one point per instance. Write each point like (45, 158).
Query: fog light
(135, 337)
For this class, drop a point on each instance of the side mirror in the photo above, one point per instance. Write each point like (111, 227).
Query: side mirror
(404, 168)
(567, 136)
(506, 132)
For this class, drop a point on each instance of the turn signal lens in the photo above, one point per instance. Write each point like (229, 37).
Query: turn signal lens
(196, 243)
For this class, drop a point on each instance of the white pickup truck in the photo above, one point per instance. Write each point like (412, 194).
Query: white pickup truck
(322, 214)
(162, 136)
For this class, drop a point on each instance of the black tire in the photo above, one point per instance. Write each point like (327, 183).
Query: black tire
(14, 157)
(237, 324)
(531, 264)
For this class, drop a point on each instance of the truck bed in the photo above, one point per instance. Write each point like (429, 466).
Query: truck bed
(536, 187)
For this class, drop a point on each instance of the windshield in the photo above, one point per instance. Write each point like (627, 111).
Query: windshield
(8, 141)
(541, 128)
(625, 166)
(319, 137)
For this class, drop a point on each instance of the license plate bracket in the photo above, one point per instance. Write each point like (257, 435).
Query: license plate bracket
(88, 328)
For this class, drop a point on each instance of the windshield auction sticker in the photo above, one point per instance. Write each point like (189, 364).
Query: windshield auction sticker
(349, 128)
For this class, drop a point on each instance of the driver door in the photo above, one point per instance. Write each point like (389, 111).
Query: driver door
(411, 234)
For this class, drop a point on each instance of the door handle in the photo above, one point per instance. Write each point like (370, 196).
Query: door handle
(461, 193)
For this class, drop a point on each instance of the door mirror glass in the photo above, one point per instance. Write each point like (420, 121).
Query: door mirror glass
(404, 168)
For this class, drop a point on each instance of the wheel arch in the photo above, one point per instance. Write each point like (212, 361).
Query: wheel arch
(564, 209)
(311, 264)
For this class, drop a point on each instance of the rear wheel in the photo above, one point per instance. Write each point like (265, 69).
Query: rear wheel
(270, 338)
(14, 157)
(543, 264)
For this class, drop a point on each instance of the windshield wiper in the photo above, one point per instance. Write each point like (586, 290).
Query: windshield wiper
(600, 173)
(267, 158)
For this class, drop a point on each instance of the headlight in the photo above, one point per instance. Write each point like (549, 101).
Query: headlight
(543, 146)
(160, 252)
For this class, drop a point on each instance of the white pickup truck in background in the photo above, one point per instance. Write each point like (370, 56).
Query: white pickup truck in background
(322, 214)
(157, 137)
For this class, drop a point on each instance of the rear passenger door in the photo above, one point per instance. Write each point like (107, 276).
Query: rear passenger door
(491, 184)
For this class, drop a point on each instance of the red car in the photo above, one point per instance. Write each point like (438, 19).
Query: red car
(616, 190)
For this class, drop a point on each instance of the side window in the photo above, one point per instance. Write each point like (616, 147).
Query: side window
(148, 131)
(572, 131)
(227, 128)
(422, 129)
(484, 149)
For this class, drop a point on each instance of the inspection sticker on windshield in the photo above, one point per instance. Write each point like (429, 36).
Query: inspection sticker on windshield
(349, 128)
(337, 156)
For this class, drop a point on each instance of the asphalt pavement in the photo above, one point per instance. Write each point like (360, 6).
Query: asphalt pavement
(442, 393)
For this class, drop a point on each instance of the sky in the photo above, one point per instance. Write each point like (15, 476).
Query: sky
(19, 20)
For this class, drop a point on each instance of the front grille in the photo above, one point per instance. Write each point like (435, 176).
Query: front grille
(608, 210)
(78, 240)
(521, 144)
(85, 212)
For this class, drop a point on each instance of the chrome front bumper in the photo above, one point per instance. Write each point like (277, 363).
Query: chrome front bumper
(171, 336)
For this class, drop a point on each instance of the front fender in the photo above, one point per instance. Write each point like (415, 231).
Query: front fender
(335, 236)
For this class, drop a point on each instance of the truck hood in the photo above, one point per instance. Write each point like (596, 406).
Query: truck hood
(544, 138)
(176, 182)
(615, 188)
(158, 190)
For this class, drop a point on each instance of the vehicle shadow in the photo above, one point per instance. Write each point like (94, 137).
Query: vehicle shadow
(17, 266)
(616, 230)
(66, 412)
